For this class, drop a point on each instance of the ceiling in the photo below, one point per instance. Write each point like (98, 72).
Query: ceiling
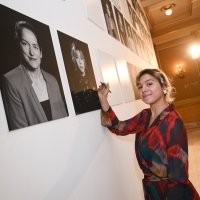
(184, 20)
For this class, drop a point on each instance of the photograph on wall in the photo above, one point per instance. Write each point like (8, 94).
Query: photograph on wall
(125, 82)
(135, 40)
(108, 66)
(125, 10)
(117, 4)
(93, 12)
(109, 18)
(137, 24)
(121, 26)
(131, 13)
(133, 19)
(30, 82)
(140, 42)
(80, 74)
(132, 74)
(130, 10)
(131, 42)
(134, 2)
(137, 7)
(138, 46)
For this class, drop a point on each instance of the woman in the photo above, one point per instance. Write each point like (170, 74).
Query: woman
(30, 94)
(112, 29)
(122, 32)
(83, 86)
(161, 141)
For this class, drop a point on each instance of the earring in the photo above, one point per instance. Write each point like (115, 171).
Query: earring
(164, 91)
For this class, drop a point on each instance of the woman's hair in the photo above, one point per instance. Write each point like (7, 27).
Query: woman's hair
(75, 47)
(19, 25)
(164, 81)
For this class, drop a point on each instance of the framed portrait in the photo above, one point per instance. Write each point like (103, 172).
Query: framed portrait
(134, 2)
(109, 18)
(130, 39)
(121, 27)
(117, 4)
(80, 74)
(130, 10)
(29, 77)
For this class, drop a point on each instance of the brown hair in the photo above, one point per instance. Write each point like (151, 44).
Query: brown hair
(19, 25)
(164, 81)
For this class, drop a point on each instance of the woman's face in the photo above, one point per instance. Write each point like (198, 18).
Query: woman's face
(150, 89)
(30, 49)
(80, 61)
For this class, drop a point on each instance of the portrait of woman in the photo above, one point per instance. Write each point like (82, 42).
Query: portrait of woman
(80, 74)
(121, 27)
(30, 94)
(109, 17)
(131, 42)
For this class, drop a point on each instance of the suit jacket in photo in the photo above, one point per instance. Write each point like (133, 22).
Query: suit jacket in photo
(21, 103)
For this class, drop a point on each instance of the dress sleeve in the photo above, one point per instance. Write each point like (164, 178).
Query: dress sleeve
(118, 127)
(177, 152)
(13, 106)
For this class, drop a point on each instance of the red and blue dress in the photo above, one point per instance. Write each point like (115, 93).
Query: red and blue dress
(161, 151)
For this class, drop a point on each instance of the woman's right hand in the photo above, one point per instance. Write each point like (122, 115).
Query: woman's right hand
(103, 90)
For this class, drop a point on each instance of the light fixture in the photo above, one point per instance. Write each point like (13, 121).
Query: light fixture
(180, 71)
(168, 9)
(195, 51)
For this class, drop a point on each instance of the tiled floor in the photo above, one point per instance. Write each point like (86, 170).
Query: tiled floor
(194, 157)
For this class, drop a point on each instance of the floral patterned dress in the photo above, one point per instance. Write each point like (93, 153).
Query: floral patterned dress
(161, 151)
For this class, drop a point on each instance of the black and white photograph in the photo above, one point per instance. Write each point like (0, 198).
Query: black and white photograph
(80, 74)
(109, 18)
(138, 46)
(30, 82)
(140, 42)
(132, 74)
(133, 19)
(137, 7)
(131, 42)
(130, 10)
(137, 24)
(117, 4)
(134, 2)
(121, 27)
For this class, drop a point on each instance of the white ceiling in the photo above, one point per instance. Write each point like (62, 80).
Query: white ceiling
(184, 19)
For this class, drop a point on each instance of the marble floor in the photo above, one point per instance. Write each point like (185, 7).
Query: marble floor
(194, 157)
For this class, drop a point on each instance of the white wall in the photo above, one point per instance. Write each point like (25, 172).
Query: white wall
(72, 158)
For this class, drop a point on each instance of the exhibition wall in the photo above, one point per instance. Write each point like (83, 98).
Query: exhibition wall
(73, 156)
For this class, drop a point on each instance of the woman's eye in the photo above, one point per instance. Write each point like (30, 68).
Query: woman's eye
(35, 47)
(149, 84)
(23, 43)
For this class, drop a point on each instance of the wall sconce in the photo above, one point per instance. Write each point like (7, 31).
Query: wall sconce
(180, 71)
(168, 9)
